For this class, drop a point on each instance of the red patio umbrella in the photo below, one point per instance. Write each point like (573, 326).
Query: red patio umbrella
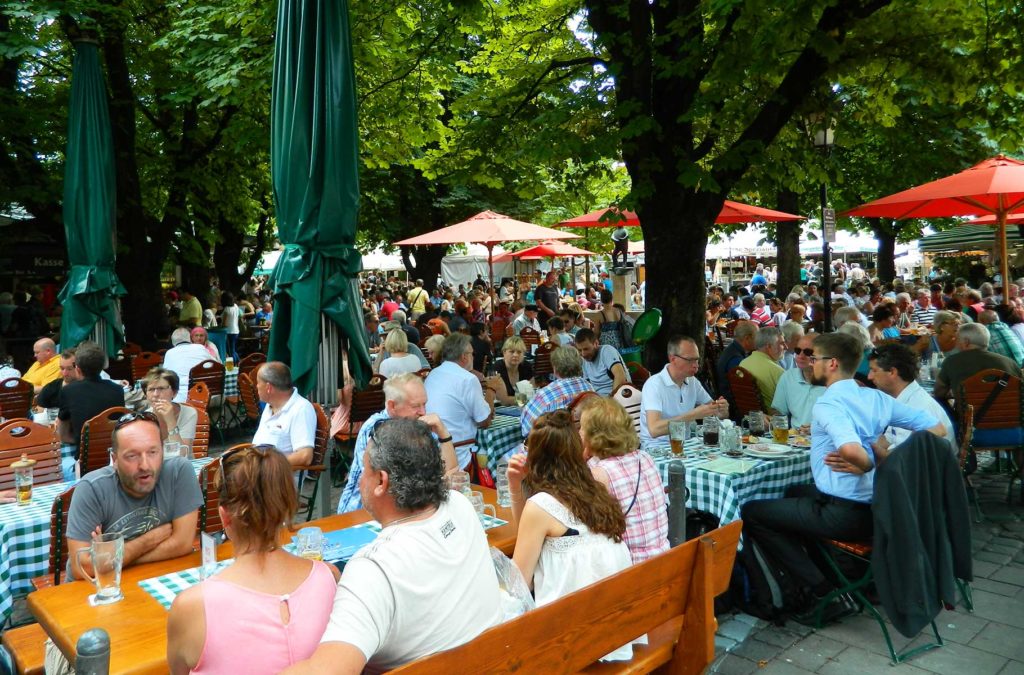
(994, 187)
(732, 212)
(487, 228)
(547, 249)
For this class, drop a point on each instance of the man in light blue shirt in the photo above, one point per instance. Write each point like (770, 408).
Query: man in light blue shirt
(458, 397)
(847, 422)
(404, 397)
(795, 395)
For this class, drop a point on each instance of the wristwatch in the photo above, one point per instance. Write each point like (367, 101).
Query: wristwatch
(174, 431)
(446, 439)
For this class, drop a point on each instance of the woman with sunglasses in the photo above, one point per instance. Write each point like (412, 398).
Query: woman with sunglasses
(570, 529)
(269, 608)
(177, 419)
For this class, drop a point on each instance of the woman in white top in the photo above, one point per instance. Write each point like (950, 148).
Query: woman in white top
(399, 360)
(230, 318)
(570, 530)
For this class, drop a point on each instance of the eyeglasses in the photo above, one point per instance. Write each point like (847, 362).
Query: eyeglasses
(805, 352)
(688, 359)
(128, 418)
(814, 359)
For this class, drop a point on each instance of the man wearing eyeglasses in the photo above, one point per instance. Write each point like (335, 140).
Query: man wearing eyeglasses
(795, 395)
(675, 394)
(846, 424)
(153, 502)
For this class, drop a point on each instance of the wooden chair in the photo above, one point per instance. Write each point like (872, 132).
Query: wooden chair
(131, 349)
(27, 645)
(36, 441)
(530, 336)
(198, 396)
(628, 397)
(579, 403)
(745, 392)
(997, 425)
(209, 516)
(251, 362)
(508, 329)
(313, 470)
(120, 368)
(365, 402)
(211, 374)
(248, 397)
(498, 327)
(16, 397)
(201, 443)
(94, 447)
(670, 598)
(542, 359)
(141, 364)
(58, 541)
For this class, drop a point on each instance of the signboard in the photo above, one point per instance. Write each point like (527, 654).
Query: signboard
(828, 220)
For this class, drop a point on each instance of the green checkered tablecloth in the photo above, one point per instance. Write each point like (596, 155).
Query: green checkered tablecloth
(724, 494)
(500, 438)
(25, 544)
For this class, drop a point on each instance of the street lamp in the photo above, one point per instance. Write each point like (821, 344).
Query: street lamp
(821, 128)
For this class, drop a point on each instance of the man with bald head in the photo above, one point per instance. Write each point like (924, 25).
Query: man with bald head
(46, 368)
(288, 421)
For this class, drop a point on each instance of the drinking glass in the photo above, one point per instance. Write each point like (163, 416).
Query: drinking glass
(730, 439)
(172, 449)
(481, 507)
(107, 554)
(309, 543)
(780, 429)
(711, 426)
(753, 422)
(504, 491)
(677, 436)
(521, 399)
(459, 482)
(23, 479)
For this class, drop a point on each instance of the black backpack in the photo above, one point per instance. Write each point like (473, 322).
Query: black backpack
(762, 588)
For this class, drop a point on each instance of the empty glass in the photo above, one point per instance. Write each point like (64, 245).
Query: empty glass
(459, 482)
(481, 507)
(107, 554)
(504, 492)
(730, 439)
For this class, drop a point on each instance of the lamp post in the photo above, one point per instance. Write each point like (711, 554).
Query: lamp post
(822, 131)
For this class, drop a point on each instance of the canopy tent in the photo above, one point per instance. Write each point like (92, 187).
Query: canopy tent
(464, 268)
(967, 238)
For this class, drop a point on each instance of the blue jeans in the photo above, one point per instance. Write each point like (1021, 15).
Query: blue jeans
(67, 462)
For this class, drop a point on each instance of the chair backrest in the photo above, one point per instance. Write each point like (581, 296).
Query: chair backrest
(578, 403)
(542, 359)
(209, 516)
(198, 395)
(211, 374)
(1004, 410)
(628, 397)
(498, 330)
(323, 437)
(745, 391)
(530, 336)
(966, 435)
(59, 533)
(16, 397)
(141, 363)
(94, 447)
(36, 441)
(120, 368)
(247, 394)
(637, 373)
(201, 443)
(367, 401)
(508, 329)
(131, 349)
(251, 362)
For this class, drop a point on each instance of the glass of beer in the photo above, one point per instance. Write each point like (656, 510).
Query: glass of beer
(309, 543)
(23, 479)
(677, 436)
(711, 426)
(780, 429)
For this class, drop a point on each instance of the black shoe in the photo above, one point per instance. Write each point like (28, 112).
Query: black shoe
(839, 607)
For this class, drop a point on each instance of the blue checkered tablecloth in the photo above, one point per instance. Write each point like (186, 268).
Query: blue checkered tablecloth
(508, 410)
(723, 494)
(198, 464)
(25, 544)
(499, 439)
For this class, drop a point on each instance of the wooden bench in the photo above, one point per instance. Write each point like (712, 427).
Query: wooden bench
(670, 598)
(27, 645)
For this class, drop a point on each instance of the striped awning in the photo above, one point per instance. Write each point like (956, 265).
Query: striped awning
(968, 238)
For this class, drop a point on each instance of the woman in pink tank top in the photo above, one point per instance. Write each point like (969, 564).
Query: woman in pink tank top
(267, 610)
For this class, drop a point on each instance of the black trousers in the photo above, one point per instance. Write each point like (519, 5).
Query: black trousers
(621, 248)
(787, 528)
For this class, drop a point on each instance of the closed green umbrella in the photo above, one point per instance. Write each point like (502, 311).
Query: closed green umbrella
(314, 163)
(90, 295)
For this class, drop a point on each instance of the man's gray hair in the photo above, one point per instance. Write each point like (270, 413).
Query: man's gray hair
(767, 337)
(567, 362)
(975, 334)
(276, 374)
(792, 332)
(409, 453)
(454, 347)
(858, 331)
(398, 315)
(942, 317)
(758, 297)
(844, 314)
(903, 296)
(180, 336)
(745, 329)
(395, 388)
(675, 345)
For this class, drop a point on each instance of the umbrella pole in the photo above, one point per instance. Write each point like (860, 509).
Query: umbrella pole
(490, 272)
(1004, 263)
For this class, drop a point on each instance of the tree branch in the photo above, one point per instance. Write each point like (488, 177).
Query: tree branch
(553, 66)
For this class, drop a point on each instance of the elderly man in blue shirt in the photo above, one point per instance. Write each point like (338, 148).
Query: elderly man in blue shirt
(846, 424)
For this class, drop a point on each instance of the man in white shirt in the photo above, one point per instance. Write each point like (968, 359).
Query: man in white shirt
(427, 583)
(602, 364)
(894, 370)
(288, 421)
(795, 395)
(182, 357)
(675, 395)
(458, 397)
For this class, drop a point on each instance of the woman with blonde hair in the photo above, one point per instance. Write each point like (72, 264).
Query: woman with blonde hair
(399, 360)
(510, 370)
(268, 609)
(611, 448)
(433, 346)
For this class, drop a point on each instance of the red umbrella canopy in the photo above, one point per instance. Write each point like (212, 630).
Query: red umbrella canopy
(487, 227)
(992, 186)
(991, 219)
(549, 249)
(732, 212)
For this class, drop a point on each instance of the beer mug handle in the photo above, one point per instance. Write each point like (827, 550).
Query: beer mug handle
(78, 555)
(491, 509)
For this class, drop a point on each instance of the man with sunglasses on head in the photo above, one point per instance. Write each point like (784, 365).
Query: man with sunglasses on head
(675, 394)
(152, 501)
(847, 421)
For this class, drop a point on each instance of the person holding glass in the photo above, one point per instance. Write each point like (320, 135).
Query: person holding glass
(510, 370)
(177, 420)
(269, 608)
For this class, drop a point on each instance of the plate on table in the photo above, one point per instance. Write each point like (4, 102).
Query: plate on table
(799, 441)
(767, 450)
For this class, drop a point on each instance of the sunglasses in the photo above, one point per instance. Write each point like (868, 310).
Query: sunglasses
(805, 352)
(128, 418)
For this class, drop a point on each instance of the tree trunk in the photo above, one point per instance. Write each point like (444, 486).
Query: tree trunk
(886, 235)
(428, 263)
(787, 241)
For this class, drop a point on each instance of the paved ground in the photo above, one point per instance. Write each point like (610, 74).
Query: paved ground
(989, 641)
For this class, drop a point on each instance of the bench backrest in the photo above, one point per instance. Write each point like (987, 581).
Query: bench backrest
(95, 444)
(201, 443)
(745, 391)
(573, 632)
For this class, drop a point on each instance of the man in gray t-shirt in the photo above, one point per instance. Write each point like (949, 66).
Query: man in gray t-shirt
(602, 364)
(154, 502)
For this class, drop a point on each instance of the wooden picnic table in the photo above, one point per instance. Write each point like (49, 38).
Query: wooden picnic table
(137, 625)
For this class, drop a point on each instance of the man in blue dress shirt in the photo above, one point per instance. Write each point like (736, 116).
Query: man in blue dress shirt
(847, 422)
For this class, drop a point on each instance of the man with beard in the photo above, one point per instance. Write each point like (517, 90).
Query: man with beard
(795, 395)
(846, 423)
(153, 502)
